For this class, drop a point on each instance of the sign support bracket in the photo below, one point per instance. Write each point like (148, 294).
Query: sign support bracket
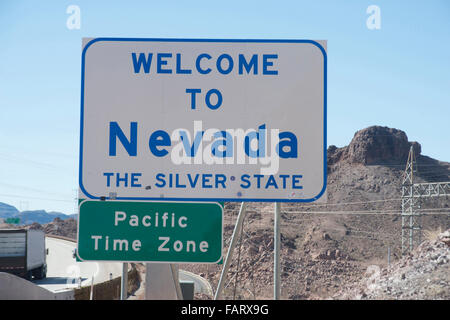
(176, 281)
(227, 262)
(234, 238)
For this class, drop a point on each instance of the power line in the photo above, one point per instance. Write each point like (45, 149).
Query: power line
(46, 153)
(347, 203)
(31, 162)
(397, 212)
(36, 198)
(402, 165)
(32, 189)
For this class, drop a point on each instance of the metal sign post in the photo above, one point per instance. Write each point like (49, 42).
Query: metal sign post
(176, 281)
(91, 296)
(234, 239)
(276, 258)
(124, 282)
(226, 265)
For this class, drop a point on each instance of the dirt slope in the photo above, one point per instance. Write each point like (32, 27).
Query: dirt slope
(424, 274)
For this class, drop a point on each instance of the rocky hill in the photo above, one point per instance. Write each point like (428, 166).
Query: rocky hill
(40, 216)
(30, 216)
(325, 246)
(58, 227)
(8, 211)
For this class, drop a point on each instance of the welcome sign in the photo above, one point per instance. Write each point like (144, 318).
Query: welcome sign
(186, 119)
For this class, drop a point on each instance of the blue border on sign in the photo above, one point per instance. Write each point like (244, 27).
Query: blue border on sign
(315, 43)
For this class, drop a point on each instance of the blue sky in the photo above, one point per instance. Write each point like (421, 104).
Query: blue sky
(397, 76)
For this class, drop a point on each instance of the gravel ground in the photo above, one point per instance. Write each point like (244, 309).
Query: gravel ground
(423, 275)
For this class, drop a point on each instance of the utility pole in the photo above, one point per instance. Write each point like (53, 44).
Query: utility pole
(412, 193)
(410, 217)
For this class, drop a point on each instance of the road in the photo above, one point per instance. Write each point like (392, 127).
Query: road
(201, 285)
(63, 271)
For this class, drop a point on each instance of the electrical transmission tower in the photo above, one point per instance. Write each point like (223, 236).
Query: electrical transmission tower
(412, 193)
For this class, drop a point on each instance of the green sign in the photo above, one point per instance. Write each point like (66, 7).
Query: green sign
(180, 232)
(12, 220)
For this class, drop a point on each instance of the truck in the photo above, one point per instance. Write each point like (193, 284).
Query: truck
(23, 253)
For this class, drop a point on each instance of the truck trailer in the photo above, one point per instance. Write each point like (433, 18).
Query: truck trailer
(23, 253)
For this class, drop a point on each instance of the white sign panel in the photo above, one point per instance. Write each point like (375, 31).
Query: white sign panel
(185, 119)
